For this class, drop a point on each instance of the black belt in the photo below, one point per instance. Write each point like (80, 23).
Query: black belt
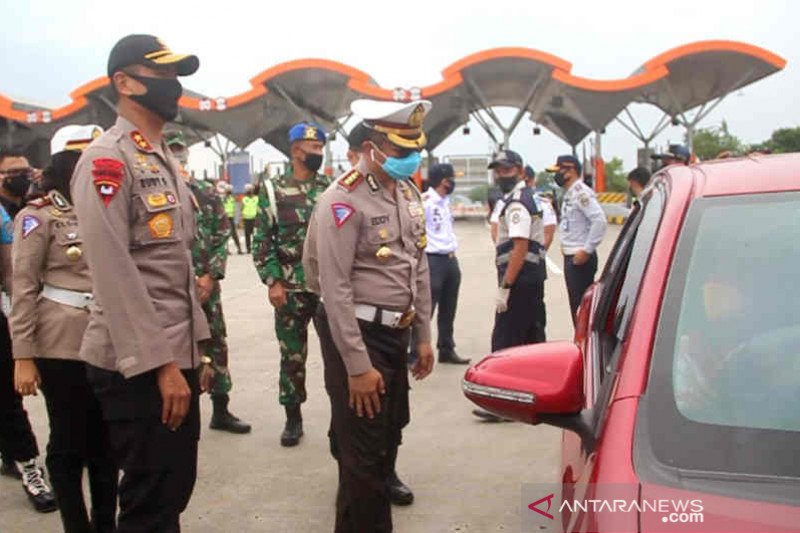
(451, 255)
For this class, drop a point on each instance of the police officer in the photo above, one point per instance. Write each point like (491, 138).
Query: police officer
(52, 292)
(209, 255)
(374, 281)
(583, 225)
(137, 219)
(249, 213)
(285, 206)
(17, 442)
(442, 261)
(676, 154)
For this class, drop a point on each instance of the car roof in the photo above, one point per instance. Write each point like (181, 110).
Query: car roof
(746, 175)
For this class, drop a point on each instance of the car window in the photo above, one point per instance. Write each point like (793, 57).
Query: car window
(726, 360)
(621, 284)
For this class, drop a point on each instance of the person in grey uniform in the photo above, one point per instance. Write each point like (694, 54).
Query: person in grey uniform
(583, 226)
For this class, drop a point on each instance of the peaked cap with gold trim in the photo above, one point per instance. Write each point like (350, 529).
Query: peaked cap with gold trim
(400, 121)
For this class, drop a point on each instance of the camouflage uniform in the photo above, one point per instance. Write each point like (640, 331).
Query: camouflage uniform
(277, 254)
(209, 255)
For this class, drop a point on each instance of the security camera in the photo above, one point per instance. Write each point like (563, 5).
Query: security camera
(675, 121)
(465, 130)
(537, 130)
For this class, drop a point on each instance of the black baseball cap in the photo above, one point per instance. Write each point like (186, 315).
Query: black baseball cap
(439, 172)
(565, 161)
(529, 172)
(506, 158)
(150, 51)
(675, 151)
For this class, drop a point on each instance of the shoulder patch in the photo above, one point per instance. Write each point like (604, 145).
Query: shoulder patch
(29, 225)
(141, 142)
(351, 180)
(341, 213)
(38, 203)
(584, 199)
(107, 174)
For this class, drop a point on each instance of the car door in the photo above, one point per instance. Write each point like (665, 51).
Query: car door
(610, 305)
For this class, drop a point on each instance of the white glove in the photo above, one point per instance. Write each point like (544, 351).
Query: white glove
(501, 300)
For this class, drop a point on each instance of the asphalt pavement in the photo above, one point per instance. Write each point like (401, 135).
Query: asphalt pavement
(467, 474)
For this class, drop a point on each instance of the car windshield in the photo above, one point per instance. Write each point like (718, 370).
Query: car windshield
(724, 384)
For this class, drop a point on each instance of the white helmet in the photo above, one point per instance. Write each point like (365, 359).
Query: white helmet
(74, 137)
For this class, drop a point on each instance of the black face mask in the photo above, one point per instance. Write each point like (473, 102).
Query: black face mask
(161, 97)
(449, 187)
(560, 179)
(506, 183)
(18, 184)
(313, 161)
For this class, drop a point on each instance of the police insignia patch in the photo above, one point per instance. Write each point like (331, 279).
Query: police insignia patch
(59, 201)
(156, 199)
(140, 142)
(341, 213)
(373, 183)
(107, 174)
(584, 200)
(311, 133)
(351, 180)
(160, 226)
(29, 224)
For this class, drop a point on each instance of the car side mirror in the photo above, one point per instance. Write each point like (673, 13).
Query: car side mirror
(531, 384)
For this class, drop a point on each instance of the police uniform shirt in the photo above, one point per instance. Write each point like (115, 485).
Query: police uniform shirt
(47, 250)
(137, 217)
(583, 222)
(369, 250)
(441, 236)
(517, 222)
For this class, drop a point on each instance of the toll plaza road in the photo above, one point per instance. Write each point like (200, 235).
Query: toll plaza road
(467, 475)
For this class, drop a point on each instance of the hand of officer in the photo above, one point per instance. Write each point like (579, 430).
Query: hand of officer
(205, 286)
(277, 295)
(207, 374)
(580, 258)
(175, 395)
(365, 392)
(424, 365)
(501, 300)
(26, 377)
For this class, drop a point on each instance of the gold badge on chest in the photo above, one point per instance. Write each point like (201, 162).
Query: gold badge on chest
(73, 253)
(383, 254)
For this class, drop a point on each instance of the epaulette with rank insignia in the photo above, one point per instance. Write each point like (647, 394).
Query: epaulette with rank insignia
(39, 203)
(58, 201)
(351, 180)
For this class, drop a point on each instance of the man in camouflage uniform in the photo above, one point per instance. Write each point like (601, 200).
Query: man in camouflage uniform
(285, 206)
(209, 255)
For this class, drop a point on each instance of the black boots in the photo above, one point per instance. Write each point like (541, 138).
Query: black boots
(450, 356)
(223, 420)
(399, 493)
(294, 426)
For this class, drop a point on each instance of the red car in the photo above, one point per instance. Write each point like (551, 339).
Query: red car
(683, 381)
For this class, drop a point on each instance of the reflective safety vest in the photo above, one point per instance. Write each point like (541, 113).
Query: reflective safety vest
(249, 207)
(230, 206)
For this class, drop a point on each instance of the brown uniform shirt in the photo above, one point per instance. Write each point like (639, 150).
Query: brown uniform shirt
(367, 246)
(138, 224)
(47, 249)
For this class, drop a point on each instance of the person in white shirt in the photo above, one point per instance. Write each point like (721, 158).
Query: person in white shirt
(442, 262)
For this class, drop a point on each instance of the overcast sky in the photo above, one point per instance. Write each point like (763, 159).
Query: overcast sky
(51, 47)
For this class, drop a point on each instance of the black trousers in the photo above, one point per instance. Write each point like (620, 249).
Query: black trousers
(235, 234)
(525, 319)
(445, 283)
(159, 465)
(78, 438)
(248, 232)
(365, 449)
(578, 278)
(17, 442)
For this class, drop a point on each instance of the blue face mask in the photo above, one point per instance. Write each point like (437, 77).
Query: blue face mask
(400, 168)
